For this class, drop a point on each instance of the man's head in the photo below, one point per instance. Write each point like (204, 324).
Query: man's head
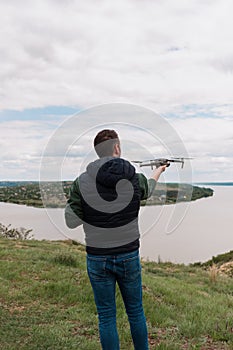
(107, 143)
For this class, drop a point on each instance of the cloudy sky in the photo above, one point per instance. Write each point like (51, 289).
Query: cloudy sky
(62, 57)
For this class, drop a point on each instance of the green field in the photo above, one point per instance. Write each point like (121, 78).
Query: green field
(46, 301)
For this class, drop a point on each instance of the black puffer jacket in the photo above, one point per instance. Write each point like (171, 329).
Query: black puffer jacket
(110, 195)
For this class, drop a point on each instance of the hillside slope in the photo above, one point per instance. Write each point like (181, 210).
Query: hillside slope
(47, 303)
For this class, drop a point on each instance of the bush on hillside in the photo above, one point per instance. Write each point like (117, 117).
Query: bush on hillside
(15, 233)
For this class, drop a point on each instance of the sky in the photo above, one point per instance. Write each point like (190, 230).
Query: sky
(59, 58)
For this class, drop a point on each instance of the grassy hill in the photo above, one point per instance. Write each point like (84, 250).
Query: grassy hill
(46, 302)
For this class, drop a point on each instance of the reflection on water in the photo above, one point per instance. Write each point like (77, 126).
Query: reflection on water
(205, 229)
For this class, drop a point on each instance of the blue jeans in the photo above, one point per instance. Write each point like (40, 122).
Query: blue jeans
(125, 269)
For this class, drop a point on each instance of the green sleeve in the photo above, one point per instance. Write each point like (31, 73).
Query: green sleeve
(73, 209)
(146, 186)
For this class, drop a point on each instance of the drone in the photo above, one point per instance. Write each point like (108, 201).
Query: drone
(161, 161)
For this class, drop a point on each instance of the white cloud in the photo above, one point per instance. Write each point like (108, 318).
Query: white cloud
(82, 53)
(22, 144)
(163, 54)
(210, 142)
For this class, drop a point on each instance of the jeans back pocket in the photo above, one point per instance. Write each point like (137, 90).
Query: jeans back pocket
(132, 267)
(96, 267)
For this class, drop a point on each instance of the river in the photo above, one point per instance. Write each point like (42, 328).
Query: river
(180, 233)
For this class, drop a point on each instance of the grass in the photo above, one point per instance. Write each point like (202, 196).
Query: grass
(46, 302)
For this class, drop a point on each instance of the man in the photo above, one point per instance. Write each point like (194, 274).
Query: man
(106, 200)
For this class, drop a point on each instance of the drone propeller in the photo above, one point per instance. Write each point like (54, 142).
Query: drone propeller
(181, 158)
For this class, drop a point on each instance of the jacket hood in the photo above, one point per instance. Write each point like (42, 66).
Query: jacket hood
(109, 170)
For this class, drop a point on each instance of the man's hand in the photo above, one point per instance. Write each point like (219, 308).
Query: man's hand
(158, 171)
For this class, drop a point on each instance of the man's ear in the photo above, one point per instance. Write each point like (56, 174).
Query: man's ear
(117, 149)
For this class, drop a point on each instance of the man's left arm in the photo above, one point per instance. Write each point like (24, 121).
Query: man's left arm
(73, 209)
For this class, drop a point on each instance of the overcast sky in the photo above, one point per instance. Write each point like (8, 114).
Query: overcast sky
(60, 57)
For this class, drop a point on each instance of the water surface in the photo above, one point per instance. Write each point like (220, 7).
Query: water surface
(195, 232)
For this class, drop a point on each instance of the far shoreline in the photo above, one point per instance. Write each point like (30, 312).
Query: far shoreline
(55, 194)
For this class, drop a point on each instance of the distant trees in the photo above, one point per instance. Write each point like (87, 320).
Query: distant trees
(56, 195)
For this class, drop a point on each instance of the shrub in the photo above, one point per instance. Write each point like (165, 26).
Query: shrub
(65, 259)
(15, 233)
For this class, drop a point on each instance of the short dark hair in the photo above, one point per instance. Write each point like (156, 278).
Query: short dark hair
(105, 141)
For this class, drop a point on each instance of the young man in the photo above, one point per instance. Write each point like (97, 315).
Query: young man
(106, 200)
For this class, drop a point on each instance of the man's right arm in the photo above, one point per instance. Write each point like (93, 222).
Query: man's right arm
(73, 209)
(158, 171)
(146, 186)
